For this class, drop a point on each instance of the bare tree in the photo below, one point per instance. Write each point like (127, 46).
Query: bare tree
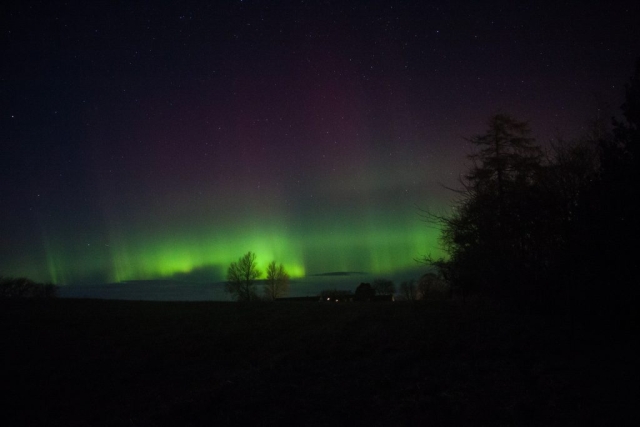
(409, 290)
(430, 286)
(241, 277)
(384, 287)
(277, 283)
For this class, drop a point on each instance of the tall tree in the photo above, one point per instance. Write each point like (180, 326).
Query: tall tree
(486, 236)
(506, 156)
(554, 232)
(241, 277)
(277, 283)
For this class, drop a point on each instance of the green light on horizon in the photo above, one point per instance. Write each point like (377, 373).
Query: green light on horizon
(382, 243)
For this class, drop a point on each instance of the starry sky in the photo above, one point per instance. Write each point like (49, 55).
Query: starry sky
(148, 141)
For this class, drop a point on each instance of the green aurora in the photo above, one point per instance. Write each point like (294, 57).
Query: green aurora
(362, 215)
(202, 253)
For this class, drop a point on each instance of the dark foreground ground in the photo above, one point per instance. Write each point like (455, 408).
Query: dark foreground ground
(89, 362)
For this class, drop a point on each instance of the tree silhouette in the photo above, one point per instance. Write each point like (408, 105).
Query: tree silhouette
(22, 287)
(606, 218)
(241, 276)
(507, 155)
(409, 290)
(277, 282)
(489, 235)
(364, 292)
(384, 287)
(430, 286)
(555, 234)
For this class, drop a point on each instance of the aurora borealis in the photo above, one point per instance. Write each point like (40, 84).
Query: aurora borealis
(147, 142)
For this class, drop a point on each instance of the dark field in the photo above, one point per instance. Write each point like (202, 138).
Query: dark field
(90, 362)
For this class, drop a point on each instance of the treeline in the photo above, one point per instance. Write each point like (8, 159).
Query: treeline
(550, 229)
(22, 287)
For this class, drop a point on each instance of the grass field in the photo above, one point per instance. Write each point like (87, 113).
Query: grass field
(92, 362)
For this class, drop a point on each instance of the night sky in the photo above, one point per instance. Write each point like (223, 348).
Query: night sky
(144, 141)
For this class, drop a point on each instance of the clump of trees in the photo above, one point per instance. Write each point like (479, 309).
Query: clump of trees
(243, 274)
(548, 229)
(22, 287)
